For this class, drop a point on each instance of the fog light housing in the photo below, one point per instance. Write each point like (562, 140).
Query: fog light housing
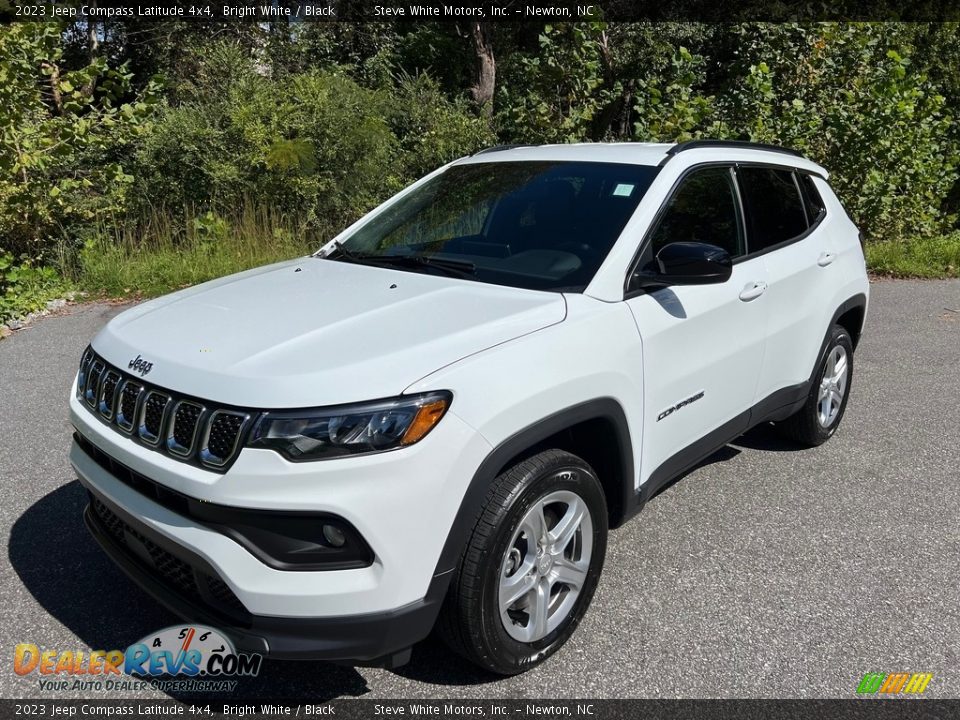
(334, 535)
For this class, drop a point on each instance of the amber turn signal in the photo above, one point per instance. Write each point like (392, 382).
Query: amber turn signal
(427, 416)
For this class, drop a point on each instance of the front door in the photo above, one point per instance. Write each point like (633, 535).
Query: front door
(703, 345)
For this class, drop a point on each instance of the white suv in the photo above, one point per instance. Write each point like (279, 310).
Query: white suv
(436, 418)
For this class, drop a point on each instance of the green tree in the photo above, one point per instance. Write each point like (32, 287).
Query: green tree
(555, 94)
(62, 135)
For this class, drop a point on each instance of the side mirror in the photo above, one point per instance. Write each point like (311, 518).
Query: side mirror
(687, 263)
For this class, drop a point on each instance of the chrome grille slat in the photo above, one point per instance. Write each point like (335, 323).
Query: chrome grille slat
(152, 416)
(183, 428)
(92, 387)
(220, 437)
(85, 363)
(107, 396)
(127, 403)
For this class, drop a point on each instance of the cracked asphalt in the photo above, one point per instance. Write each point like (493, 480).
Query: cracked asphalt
(767, 572)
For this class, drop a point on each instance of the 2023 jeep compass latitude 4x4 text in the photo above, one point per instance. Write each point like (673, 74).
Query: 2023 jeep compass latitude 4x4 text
(434, 421)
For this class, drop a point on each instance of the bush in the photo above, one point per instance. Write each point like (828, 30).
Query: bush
(849, 96)
(63, 136)
(432, 129)
(26, 288)
(316, 146)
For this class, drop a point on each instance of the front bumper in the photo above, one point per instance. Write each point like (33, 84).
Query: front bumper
(376, 638)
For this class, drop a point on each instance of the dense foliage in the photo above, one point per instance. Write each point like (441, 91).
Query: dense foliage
(122, 142)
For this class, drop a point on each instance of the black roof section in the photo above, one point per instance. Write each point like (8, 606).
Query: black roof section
(498, 148)
(742, 144)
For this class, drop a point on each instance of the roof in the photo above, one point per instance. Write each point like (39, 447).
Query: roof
(630, 153)
(647, 154)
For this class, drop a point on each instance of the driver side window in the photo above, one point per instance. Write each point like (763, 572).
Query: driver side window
(703, 209)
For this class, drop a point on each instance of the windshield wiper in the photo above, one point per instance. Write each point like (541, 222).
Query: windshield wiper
(457, 268)
(340, 249)
(454, 268)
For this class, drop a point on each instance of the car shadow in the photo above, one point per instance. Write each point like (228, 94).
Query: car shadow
(727, 452)
(71, 578)
(434, 663)
(765, 437)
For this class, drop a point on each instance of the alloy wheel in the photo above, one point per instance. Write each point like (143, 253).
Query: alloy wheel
(545, 566)
(833, 386)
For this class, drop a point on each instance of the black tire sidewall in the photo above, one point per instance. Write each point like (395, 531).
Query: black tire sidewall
(838, 336)
(511, 655)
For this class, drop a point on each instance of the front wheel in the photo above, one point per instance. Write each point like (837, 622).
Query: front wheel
(820, 415)
(531, 565)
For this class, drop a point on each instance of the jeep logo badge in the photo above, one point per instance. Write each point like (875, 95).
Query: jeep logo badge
(138, 364)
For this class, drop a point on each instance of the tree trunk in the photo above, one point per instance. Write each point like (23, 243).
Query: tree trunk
(485, 66)
(93, 41)
(93, 51)
(55, 87)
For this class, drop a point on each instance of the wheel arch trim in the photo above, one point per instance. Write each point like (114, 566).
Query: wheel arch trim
(471, 505)
(856, 302)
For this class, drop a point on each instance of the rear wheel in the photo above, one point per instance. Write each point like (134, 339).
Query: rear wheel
(531, 565)
(820, 415)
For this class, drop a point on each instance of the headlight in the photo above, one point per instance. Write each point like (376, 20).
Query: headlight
(323, 433)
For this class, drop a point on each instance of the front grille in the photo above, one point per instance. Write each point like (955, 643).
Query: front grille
(191, 583)
(179, 426)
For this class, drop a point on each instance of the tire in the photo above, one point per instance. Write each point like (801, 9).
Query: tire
(811, 425)
(500, 561)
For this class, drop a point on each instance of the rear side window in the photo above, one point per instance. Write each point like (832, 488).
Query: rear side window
(811, 199)
(775, 209)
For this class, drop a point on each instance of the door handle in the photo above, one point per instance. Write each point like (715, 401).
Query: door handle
(751, 291)
(826, 258)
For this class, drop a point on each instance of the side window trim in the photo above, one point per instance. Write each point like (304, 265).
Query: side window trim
(664, 206)
(805, 194)
(802, 236)
(800, 194)
(744, 225)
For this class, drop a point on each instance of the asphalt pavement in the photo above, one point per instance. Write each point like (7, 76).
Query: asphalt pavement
(767, 572)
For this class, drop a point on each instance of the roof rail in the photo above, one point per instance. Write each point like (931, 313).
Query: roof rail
(745, 144)
(498, 148)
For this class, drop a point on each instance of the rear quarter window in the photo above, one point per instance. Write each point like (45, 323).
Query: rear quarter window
(774, 205)
(812, 201)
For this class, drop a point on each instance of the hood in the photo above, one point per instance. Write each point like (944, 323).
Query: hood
(318, 332)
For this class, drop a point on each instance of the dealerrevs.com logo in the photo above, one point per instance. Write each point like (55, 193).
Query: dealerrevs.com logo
(181, 657)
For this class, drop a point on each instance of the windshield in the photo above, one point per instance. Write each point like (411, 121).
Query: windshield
(535, 225)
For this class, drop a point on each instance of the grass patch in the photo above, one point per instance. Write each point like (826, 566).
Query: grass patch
(163, 253)
(932, 258)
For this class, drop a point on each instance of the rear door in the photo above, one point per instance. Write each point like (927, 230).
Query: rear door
(785, 227)
(703, 345)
